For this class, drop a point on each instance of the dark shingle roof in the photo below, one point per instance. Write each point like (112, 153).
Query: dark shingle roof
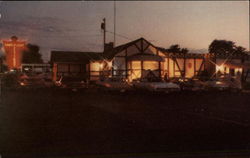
(76, 57)
(111, 53)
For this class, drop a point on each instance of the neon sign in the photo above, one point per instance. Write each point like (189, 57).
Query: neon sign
(13, 50)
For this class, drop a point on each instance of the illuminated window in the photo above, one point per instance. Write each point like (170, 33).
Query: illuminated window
(95, 66)
(150, 65)
(136, 69)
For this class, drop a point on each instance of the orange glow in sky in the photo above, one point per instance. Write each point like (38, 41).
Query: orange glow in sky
(75, 25)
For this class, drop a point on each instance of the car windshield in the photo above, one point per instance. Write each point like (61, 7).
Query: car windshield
(71, 79)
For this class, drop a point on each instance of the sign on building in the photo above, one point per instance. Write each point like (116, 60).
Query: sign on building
(13, 51)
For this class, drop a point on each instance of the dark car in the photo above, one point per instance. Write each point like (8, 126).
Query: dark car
(31, 82)
(193, 85)
(114, 84)
(71, 82)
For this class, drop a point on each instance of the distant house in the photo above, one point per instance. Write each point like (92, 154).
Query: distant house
(87, 65)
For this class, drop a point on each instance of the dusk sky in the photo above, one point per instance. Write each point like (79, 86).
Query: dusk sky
(76, 25)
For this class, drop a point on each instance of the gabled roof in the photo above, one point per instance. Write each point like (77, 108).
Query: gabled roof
(111, 53)
(76, 57)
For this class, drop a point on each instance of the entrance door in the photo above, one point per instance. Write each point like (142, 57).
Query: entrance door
(136, 70)
(150, 66)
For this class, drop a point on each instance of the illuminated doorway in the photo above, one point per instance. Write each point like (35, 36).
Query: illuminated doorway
(136, 70)
(150, 66)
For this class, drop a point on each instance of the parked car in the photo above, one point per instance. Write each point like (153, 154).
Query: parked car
(73, 83)
(216, 85)
(222, 84)
(31, 82)
(117, 84)
(156, 86)
(34, 81)
(192, 85)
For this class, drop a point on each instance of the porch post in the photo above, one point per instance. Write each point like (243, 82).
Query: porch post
(168, 67)
(159, 67)
(142, 69)
(194, 66)
(126, 63)
(184, 69)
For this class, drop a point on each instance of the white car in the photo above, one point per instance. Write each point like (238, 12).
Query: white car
(217, 85)
(157, 86)
(224, 84)
(114, 84)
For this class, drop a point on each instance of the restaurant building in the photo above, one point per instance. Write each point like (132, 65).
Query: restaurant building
(138, 58)
(130, 61)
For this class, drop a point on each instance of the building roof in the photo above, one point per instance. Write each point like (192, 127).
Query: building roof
(112, 52)
(75, 57)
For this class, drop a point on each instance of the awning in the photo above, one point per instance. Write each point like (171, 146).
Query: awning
(146, 57)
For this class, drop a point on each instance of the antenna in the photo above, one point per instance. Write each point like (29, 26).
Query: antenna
(114, 20)
(103, 27)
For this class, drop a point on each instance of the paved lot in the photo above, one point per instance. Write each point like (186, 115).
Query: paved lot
(49, 123)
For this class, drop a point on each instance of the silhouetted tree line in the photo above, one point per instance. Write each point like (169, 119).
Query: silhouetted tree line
(216, 47)
(226, 47)
(31, 54)
(177, 49)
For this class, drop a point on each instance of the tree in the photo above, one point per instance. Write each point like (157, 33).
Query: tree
(32, 55)
(176, 49)
(221, 47)
(184, 50)
(225, 47)
(240, 50)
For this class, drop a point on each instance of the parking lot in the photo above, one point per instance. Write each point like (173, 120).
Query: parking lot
(50, 123)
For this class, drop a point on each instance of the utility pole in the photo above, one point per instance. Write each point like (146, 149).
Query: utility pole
(103, 26)
(114, 21)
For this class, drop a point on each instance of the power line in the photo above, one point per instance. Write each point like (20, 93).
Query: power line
(125, 37)
(119, 35)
